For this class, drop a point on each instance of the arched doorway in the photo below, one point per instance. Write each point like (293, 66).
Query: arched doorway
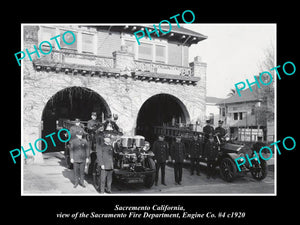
(160, 110)
(70, 103)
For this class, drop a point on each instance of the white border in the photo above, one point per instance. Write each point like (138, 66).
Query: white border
(152, 194)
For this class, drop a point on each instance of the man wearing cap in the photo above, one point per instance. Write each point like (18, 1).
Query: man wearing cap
(76, 128)
(161, 154)
(211, 153)
(93, 125)
(79, 154)
(105, 162)
(178, 153)
(220, 131)
(194, 153)
(208, 130)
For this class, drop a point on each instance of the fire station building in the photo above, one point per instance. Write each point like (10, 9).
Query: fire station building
(106, 71)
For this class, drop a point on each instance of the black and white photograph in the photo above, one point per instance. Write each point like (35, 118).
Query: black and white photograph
(148, 115)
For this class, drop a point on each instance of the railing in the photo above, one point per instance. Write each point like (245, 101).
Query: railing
(73, 57)
(155, 67)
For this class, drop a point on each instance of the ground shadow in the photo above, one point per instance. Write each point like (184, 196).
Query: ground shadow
(69, 173)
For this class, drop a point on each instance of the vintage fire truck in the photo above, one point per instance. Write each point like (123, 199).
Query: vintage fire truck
(133, 161)
(132, 157)
(228, 152)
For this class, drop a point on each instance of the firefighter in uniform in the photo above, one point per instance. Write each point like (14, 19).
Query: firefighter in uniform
(178, 153)
(210, 149)
(76, 128)
(105, 162)
(161, 154)
(208, 130)
(195, 153)
(220, 131)
(211, 153)
(93, 125)
(79, 153)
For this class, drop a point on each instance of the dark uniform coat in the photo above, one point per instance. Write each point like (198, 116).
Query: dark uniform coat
(93, 125)
(210, 150)
(79, 150)
(161, 151)
(105, 156)
(221, 131)
(195, 149)
(207, 130)
(75, 130)
(178, 152)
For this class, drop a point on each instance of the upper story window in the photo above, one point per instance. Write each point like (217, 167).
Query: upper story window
(238, 116)
(235, 116)
(87, 43)
(68, 38)
(130, 46)
(153, 51)
(160, 53)
(241, 116)
(222, 111)
(45, 35)
(145, 51)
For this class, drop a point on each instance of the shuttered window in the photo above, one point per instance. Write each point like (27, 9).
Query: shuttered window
(87, 43)
(46, 34)
(69, 39)
(145, 51)
(130, 46)
(160, 53)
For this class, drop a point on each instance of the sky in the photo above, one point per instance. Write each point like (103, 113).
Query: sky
(232, 53)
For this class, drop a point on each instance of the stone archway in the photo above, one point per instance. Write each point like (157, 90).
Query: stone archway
(158, 110)
(70, 103)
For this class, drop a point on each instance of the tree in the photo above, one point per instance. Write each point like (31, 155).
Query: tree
(232, 92)
(265, 113)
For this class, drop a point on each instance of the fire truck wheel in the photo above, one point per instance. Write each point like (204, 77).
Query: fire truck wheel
(149, 179)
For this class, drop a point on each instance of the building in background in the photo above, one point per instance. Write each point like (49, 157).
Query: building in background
(213, 110)
(245, 116)
(106, 71)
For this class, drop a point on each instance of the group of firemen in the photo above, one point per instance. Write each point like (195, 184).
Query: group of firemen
(195, 150)
(99, 141)
(102, 145)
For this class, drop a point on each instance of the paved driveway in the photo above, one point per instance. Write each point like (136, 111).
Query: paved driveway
(53, 177)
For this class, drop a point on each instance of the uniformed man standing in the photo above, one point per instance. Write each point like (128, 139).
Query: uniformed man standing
(210, 149)
(76, 128)
(208, 130)
(105, 162)
(161, 154)
(195, 152)
(178, 153)
(211, 153)
(93, 125)
(79, 154)
(220, 131)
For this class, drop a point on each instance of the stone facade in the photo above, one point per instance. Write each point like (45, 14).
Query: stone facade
(123, 94)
